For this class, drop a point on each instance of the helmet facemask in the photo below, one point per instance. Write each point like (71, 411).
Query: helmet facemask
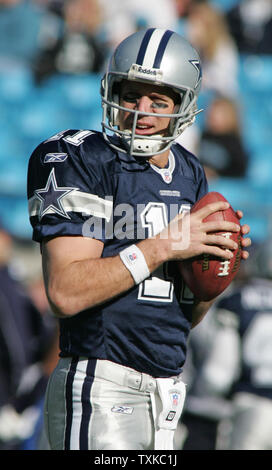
(156, 57)
(138, 145)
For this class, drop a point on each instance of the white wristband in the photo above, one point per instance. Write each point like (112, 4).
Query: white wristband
(135, 262)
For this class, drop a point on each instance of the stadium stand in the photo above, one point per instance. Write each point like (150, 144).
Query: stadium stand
(32, 113)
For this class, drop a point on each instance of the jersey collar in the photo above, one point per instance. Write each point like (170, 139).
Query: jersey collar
(167, 172)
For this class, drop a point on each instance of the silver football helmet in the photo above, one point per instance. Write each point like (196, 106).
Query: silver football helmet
(157, 56)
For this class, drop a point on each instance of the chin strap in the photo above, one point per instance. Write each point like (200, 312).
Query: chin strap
(143, 145)
(153, 146)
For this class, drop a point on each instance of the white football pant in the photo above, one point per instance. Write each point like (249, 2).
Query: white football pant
(99, 405)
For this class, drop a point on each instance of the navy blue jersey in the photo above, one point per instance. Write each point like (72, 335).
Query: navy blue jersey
(252, 307)
(78, 185)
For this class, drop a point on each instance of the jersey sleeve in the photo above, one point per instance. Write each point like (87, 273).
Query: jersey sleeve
(193, 170)
(69, 188)
(200, 177)
(203, 187)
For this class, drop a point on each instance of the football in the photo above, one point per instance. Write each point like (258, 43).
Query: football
(208, 276)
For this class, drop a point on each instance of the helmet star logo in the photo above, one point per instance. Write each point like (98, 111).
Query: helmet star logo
(51, 197)
(197, 66)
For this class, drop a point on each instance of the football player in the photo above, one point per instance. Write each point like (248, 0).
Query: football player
(111, 212)
(242, 349)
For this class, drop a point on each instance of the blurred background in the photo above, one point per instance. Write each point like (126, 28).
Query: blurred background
(52, 56)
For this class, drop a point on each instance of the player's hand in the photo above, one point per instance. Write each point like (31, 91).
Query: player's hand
(245, 242)
(187, 235)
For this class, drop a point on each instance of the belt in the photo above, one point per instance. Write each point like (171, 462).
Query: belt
(125, 376)
(166, 411)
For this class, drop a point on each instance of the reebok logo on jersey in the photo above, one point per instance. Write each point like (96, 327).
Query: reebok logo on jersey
(55, 157)
(127, 410)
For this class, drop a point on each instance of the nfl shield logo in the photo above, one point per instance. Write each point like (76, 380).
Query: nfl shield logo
(175, 398)
(167, 176)
(132, 256)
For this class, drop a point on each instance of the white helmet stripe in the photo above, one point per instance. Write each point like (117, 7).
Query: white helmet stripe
(152, 48)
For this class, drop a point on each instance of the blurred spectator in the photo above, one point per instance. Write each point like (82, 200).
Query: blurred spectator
(190, 137)
(122, 18)
(250, 23)
(27, 341)
(9, 2)
(182, 11)
(239, 366)
(55, 5)
(208, 32)
(221, 148)
(203, 411)
(211, 363)
(77, 49)
(23, 27)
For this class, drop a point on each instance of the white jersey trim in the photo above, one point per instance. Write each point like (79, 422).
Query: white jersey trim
(76, 201)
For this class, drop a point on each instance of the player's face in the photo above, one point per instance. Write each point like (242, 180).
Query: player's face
(148, 98)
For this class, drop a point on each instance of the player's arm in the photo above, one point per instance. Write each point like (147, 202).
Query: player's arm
(77, 277)
(200, 308)
(220, 370)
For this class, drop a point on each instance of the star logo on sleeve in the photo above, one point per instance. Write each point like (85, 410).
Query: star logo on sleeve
(52, 197)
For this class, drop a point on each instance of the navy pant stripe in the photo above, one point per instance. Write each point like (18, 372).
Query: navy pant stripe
(142, 50)
(69, 402)
(161, 49)
(86, 404)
